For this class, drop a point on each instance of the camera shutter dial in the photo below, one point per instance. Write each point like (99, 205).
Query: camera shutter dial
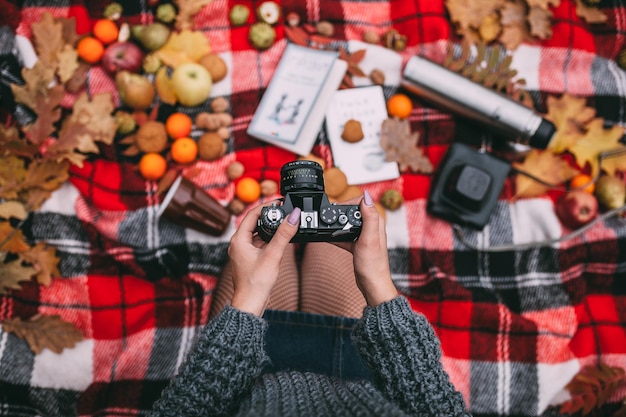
(329, 215)
(354, 216)
(272, 217)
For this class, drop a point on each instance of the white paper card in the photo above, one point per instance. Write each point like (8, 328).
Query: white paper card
(363, 161)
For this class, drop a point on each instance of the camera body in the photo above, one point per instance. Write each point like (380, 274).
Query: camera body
(302, 185)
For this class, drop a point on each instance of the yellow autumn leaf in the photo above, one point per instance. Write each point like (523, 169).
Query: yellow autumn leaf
(615, 162)
(544, 165)
(569, 114)
(184, 46)
(596, 140)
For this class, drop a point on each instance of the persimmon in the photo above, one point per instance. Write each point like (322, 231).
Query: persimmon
(90, 49)
(248, 190)
(400, 106)
(178, 125)
(106, 31)
(184, 150)
(152, 166)
(582, 181)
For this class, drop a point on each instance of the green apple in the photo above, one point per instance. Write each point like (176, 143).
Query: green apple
(192, 83)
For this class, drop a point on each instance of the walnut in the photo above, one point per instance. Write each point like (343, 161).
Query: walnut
(325, 28)
(392, 39)
(352, 131)
(211, 146)
(219, 105)
(151, 137)
(269, 188)
(372, 37)
(213, 121)
(236, 206)
(235, 170)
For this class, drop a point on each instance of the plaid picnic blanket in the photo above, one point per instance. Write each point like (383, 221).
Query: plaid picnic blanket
(516, 324)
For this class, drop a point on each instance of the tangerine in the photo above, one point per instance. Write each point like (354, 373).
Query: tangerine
(106, 31)
(583, 182)
(184, 150)
(178, 125)
(400, 106)
(248, 190)
(90, 49)
(152, 166)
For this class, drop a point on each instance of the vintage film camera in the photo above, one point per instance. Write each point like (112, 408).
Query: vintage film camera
(302, 185)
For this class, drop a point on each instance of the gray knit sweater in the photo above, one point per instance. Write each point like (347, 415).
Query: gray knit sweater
(222, 375)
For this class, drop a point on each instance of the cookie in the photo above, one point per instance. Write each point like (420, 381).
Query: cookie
(335, 182)
(352, 131)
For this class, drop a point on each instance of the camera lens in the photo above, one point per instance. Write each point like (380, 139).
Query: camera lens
(301, 175)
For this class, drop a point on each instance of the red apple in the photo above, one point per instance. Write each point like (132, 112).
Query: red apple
(576, 208)
(192, 84)
(122, 56)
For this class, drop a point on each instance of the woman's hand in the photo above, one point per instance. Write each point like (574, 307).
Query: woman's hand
(370, 257)
(255, 263)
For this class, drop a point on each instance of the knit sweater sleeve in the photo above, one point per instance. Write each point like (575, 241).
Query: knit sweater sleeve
(225, 360)
(404, 354)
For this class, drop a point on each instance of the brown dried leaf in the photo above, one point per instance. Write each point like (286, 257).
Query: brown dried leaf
(591, 388)
(12, 173)
(596, 140)
(68, 63)
(42, 332)
(90, 122)
(48, 39)
(42, 178)
(11, 239)
(544, 165)
(545, 4)
(513, 13)
(400, 145)
(44, 260)
(184, 46)
(12, 209)
(353, 69)
(512, 36)
(570, 115)
(187, 9)
(540, 21)
(12, 273)
(590, 14)
(36, 82)
(471, 14)
(12, 143)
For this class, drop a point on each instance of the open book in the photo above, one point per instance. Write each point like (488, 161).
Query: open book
(292, 109)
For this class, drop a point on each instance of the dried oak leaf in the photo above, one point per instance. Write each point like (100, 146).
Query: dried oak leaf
(89, 123)
(614, 164)
(591, 388)
(184, 46)
(12, 273)
(48, 39)
(512, 36)
(513, 13)
(540, 21)
(12, 143)
(400, 145)
(42, 178)
(545, 4)
(41, 331)
(68, 63)
(12, 174)
(469, 15)
(570, 115)
(544, 165)
(11, 239)
(187, 10)
(43, 99)
(596, 140)
(590, 14)
(306, 35)
(43, 258)
(13, 209)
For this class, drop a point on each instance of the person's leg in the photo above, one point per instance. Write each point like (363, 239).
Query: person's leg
(328, 283)
(284, 296)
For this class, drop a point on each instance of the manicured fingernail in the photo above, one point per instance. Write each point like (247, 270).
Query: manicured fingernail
(368, 199)
(294, 217)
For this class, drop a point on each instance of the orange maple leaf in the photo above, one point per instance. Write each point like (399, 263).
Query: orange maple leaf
(595, 141)
(545, 166)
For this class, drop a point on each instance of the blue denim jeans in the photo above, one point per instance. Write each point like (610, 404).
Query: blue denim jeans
(313, 343)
